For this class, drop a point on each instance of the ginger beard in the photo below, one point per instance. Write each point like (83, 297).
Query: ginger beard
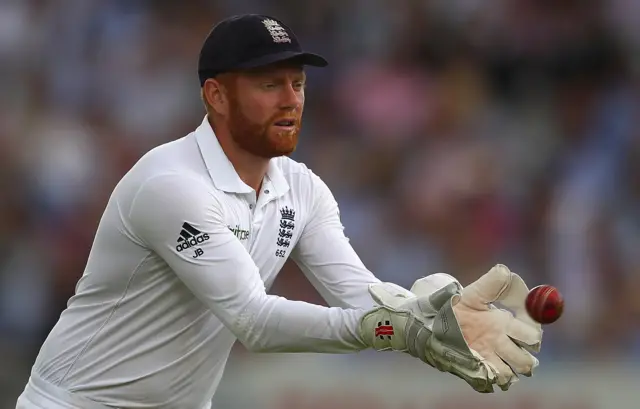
(262, 139)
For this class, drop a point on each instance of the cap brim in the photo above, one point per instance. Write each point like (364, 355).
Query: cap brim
(303, 58)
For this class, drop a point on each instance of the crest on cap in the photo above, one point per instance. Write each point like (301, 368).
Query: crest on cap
(278, 33)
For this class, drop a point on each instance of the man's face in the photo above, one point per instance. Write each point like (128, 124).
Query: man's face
(265, 109)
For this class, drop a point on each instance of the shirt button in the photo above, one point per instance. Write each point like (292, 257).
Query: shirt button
(250, 206)
(266, 191)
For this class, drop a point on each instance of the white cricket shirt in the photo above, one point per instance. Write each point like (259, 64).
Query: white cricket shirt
(179, 269)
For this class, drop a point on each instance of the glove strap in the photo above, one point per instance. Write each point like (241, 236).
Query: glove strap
(417, 336)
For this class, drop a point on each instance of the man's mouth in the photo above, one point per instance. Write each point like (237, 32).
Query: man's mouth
(285, 124)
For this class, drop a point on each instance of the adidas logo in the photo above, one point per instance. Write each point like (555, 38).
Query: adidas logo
(189, 237)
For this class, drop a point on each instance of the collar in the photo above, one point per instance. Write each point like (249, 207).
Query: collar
(223, 173)
(278, 183)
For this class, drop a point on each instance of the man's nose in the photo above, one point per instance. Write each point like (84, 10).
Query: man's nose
(291, 99)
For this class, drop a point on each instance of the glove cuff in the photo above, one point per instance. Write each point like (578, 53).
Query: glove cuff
(384, 328)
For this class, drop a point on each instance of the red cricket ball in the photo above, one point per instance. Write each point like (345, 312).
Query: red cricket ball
(544, 304)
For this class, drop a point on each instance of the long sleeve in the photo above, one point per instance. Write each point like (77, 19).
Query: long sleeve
(326, 257)
(225, 278)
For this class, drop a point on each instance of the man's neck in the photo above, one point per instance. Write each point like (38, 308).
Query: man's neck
(250, 168)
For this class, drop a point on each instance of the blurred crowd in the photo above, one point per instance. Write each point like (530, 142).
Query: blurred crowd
(455, 134)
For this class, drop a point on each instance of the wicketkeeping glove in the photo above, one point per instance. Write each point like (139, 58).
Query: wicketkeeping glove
(458, 330)
(506, 337)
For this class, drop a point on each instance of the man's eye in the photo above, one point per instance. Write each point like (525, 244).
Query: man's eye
(268, 85)
(298, 85)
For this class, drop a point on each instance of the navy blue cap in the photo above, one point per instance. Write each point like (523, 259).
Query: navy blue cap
(250, 41)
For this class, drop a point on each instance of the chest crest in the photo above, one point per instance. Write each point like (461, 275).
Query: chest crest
(285, 230)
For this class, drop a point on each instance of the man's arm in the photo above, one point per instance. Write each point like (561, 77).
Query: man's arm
(499, 340)
(225, 278)
(326, 257)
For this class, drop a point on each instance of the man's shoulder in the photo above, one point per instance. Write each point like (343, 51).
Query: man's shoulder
(177, 152)
(173, 166)
(179, 157)
(302, 180)
(293, 170)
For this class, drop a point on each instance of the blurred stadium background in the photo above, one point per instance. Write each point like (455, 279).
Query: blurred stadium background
(455, 134)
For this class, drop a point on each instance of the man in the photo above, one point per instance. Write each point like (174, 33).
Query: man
(198, 229)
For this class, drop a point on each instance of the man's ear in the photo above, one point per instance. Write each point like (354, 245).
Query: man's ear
(214, 97)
